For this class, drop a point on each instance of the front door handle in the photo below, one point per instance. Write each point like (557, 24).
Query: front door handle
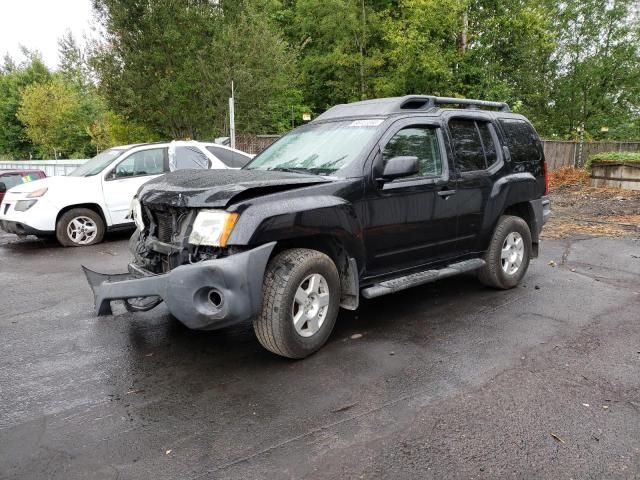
(446, 193)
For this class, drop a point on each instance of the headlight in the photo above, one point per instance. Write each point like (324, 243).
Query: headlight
(212, 227)
(24, 205)
(135, 211)
(37, 193)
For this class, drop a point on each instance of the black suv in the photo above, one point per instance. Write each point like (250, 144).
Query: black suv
(368, 199)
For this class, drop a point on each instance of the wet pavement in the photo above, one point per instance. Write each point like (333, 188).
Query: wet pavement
(449, 380)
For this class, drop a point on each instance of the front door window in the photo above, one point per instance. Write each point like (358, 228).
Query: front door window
(421, 142)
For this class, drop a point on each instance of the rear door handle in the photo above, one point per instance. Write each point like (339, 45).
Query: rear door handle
(446, 193)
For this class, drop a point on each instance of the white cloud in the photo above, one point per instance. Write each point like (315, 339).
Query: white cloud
(38, 24)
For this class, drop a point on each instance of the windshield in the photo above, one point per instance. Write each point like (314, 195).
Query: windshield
(321, 149)
(97, 163)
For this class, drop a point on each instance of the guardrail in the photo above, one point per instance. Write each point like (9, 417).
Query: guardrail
(52, 168)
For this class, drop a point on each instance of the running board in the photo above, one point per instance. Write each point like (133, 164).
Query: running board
(420, 278)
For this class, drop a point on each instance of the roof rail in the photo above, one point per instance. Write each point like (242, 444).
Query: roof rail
(424, 102)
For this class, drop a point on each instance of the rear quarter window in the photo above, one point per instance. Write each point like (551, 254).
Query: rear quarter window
(522, 140)
(229, 157)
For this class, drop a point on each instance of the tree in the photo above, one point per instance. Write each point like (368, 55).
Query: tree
(597, 63)
(112, 129)
(73, 65)
(14, 141)
(509, 53)
(168, 64)
(421, 48)
(57, 117)
(338, 43)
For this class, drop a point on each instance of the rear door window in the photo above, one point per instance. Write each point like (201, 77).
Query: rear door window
(229, 157)
(491, 155)
(467, 145)
(522, 140)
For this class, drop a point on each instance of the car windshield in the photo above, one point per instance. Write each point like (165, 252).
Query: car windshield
(97, 163)
(320, 149)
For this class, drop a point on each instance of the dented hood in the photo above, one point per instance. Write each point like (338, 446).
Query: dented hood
(219, 188)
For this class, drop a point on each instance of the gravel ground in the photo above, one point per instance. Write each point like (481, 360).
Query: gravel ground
(580, 209)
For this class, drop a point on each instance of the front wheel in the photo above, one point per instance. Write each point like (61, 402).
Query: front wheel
(80, 227)
(507, 258)
(301, 298)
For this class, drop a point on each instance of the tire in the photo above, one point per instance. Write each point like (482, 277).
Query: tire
(503, 273)
(289, 277)
(80, 218)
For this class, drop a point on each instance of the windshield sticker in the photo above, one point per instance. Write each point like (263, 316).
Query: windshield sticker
(366, 123)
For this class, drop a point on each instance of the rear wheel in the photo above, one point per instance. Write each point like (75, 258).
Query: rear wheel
(301, 297)
(507, 258)
(80, 227)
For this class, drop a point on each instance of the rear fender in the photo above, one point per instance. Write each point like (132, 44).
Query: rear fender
(509, 190)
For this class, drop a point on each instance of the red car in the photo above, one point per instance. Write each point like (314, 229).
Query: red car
(11, 178)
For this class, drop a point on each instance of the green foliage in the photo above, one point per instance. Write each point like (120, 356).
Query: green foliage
(633, 157)
(174, 74)
(597, 69)
(112, 129)
(421, 47)
(60, 128)
(14, 141)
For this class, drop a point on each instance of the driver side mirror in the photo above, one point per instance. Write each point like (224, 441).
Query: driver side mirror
(3, 187)
(398, 167)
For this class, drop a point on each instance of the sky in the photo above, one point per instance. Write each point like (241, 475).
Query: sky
(37, 24)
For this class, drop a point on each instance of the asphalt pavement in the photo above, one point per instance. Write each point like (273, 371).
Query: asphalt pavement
(448, 380)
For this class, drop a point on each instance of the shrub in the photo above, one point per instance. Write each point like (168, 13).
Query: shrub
(615, 157)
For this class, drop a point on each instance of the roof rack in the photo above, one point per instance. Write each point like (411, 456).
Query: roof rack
(425, 102)
(394, 105)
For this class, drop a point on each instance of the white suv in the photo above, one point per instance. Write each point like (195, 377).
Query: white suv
(96, 196)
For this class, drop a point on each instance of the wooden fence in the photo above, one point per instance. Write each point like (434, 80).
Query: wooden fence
(562, 154)
(254, 144)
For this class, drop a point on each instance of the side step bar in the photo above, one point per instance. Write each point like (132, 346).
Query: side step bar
(420, 278)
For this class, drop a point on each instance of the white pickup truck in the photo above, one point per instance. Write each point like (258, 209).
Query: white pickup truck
(96, 196)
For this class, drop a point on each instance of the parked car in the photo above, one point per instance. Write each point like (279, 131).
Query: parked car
(96, 196)
(11, 178)
(368, 199)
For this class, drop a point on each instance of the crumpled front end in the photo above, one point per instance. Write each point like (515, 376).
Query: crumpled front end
(205, 295)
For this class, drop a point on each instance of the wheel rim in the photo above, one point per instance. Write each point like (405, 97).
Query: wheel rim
(310, 305)
(82, 230)
(512, 253)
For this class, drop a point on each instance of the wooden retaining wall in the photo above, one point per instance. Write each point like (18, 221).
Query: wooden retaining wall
(615, 175)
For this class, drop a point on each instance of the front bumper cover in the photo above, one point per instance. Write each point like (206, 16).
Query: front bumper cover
(237, 279)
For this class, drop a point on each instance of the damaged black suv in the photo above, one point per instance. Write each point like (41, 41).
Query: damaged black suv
(368, 199)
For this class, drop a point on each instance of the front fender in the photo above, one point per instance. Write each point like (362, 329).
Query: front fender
(305, 216)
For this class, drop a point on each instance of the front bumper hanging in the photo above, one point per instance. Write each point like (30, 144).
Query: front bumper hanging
(204, 295)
